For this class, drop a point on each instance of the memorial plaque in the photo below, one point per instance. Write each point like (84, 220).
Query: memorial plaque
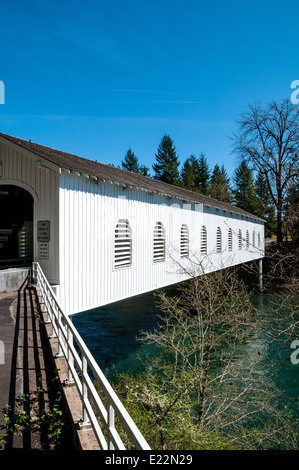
(43, 231)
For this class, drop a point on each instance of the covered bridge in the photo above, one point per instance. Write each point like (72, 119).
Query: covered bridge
(102, 234)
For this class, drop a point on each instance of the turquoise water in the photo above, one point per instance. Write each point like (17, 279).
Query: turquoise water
(278, 360)
(110, 333)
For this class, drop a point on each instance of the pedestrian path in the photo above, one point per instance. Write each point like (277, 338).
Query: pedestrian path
(27, 376)
(7, 332)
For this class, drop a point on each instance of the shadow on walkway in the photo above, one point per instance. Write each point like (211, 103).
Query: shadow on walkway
(37, 410)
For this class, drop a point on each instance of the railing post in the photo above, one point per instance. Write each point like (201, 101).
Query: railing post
(60, 335)
(70, 359)
(84, 389)
(51, 315)
(111, 423)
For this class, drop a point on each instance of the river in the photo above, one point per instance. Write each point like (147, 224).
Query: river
(110, 333)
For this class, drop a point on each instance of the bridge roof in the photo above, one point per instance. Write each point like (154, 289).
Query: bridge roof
(101, 171)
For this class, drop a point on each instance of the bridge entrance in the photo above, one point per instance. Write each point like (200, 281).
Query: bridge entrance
(16, 227)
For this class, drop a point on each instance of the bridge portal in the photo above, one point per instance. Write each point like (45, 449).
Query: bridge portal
(16, 227)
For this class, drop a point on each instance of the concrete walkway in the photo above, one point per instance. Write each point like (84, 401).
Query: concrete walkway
(26, 369)
(7, 333)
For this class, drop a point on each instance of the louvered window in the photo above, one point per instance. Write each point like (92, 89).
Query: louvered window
(184, 241)
(218, 240)
(159, 242)
(259, 240)
(253, 239)
(240, 239)
(230, 239)
(247, 240)
(122, 244)
(203, 240)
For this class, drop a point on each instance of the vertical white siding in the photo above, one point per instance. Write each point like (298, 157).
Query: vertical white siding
(89, 213)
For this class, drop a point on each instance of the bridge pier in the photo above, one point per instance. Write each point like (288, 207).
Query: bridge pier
(260, 274)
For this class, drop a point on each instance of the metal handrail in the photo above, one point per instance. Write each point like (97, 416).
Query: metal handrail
(94, 410)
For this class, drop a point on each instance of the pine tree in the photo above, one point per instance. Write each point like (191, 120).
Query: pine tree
(220, 184)
(265, 206)
(202, 175)
(167, 164)
(130, 163)
(244, 191)
(195, 174)
(187, 175)
(143, 170)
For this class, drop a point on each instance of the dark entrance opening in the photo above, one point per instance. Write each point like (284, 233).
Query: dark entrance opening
(16, 227)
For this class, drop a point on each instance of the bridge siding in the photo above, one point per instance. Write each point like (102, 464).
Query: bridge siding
(89, 213)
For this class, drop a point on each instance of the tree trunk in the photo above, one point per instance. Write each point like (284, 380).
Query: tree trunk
(203, 386)
(279, 227)
(279, 213)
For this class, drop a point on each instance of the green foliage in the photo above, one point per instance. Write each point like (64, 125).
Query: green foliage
(130, 163)
(162, 410)
(254, 195)
(202, 176)
(27, 416)
(204, 388)
(195, 174)
(167, 164)
(265, 206)
(188, 176)
(244, 191)
(220, 185)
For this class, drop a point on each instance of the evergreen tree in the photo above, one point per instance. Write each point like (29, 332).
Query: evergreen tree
(195, 174)
(130, 163)
(167, 164)
(265, 206)
(143, 170)
(220, 184)
(202, 175)
(187, 175)
(244, 191)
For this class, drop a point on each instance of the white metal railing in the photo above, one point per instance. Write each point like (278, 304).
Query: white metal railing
(80, 361)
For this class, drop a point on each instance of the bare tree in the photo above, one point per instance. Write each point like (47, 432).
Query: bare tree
(206, 387)
(268, 138)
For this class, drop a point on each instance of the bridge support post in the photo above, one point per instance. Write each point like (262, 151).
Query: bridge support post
(260, 273)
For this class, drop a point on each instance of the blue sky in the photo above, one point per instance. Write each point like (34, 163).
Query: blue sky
(96, 78)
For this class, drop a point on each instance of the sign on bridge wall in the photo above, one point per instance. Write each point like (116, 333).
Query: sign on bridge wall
(43, 237)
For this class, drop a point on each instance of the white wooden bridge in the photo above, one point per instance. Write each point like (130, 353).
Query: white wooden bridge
(101, 234)
(97, 234)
